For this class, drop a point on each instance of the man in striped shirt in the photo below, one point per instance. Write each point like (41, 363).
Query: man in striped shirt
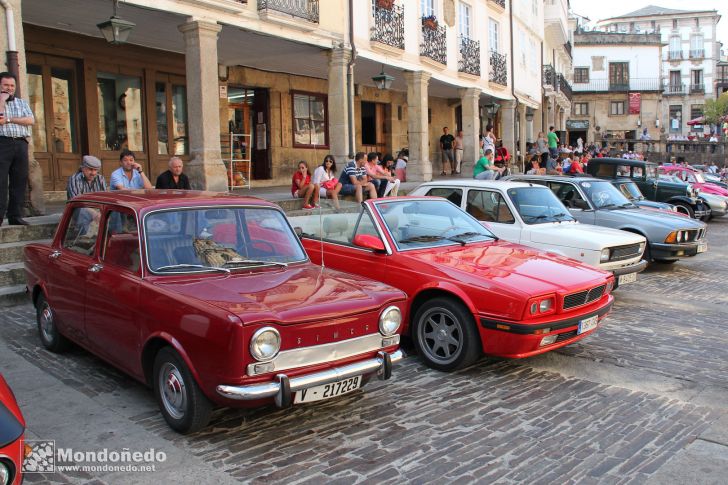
(87, 179)
(16, 118)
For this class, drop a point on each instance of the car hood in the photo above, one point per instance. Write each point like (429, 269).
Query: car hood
(647, 204)
(584, 236)
(664, 218)
(288, 295)
(12, 424)
(509, 266)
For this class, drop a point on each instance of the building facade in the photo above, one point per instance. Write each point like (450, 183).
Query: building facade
(258, 85)
(689, 60)
(617, 87)
(557, 67)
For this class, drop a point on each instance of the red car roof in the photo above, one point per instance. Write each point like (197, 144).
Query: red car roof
(8, 399)
(153, 198)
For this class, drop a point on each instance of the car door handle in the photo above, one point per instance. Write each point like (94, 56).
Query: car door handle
(54, 254)
(95, 268)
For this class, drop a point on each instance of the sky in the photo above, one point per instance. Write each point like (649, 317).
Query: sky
(597, 10)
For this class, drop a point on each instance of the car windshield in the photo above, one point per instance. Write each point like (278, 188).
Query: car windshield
(630, 190)
(538, 205)
(222, 239)
(604, 195)
(698, 177)
(418, 223)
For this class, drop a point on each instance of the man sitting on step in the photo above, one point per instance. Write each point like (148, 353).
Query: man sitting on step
(87, 179)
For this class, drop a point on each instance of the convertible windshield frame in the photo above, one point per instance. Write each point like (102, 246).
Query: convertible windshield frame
(145, 233)
(444, 239)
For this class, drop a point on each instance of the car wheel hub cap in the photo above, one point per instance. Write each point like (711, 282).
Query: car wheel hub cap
(173, 393)
(441, 336)
(47, 323)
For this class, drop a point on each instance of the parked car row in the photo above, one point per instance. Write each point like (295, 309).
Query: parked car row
(221, 300)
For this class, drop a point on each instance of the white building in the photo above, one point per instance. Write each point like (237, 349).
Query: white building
(557, 62)
(688, 63)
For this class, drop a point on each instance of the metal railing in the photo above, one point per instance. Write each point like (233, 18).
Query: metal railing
(564, 86)
(304, 9)
(498, 68)
(674, 55)
(674, 88)
(434, 43)
(697, 88)
(469, 61)
(697, 53)
(388, 26)
(549, 76)
(502, 3)
(567, 47)
(633, 84)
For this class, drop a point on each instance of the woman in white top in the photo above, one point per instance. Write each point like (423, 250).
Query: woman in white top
(325, 177)
(489, 139)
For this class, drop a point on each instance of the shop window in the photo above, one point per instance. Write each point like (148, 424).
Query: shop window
(309, 120)
(120, 112)
(171, 109)
(65, 138)
(37, 106)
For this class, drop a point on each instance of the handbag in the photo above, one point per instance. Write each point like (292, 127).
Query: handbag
(330, 184)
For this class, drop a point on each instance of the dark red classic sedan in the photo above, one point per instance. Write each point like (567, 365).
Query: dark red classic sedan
(468, 292)
(12, 429)
(209, 298)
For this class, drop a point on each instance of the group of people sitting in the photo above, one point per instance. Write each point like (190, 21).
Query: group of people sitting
(567, 162)
(370, 174)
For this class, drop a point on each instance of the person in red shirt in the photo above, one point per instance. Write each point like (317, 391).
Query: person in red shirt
(576, 166)
(303, 188)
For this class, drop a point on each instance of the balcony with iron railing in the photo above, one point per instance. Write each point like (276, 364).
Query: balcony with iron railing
(674, 55)
(674, 89)
(434, 42)
(567, 48)
(500, 3)
(697, 88)
(604, 85)
(388, 25)
(549, 77)
(303, 9)
(498, 68)
(564, 86)
(697, 53)
(469, 59)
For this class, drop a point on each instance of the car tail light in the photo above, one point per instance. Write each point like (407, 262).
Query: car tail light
(541, 305)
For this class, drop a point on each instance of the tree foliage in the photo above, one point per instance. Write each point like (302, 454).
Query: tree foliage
(715, 109)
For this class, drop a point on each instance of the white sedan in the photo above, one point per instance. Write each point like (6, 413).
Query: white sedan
(533, 216)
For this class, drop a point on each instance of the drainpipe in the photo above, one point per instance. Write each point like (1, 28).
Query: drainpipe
(513, 87)
(349, 80)
(12, 52)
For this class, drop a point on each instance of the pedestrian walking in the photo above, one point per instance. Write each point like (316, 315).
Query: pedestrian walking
(16, 118)
(446, 143)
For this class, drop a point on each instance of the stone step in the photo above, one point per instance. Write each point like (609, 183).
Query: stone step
(41, 227)
(12, 274)
(12, 252)
(13, 295)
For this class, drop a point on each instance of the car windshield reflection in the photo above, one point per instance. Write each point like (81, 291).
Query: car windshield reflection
(604, 195)
(220, 239)
(538, 205)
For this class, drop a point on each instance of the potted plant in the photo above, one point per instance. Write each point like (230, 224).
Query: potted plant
(430, 22)
(386, 4)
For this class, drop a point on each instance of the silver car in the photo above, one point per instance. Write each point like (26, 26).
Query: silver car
(595, 201)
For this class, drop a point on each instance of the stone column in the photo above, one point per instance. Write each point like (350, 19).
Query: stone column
(471, 126)
(205, 168)
(521, 137)
(419, 167)
(338, 104)
(508, 118)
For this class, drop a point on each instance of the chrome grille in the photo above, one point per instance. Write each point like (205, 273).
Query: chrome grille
(583, 297)
(624, 252)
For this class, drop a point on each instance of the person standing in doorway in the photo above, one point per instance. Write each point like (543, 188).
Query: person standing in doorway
(553, 140)
(446, 143)
(459, 147)
(16, 118)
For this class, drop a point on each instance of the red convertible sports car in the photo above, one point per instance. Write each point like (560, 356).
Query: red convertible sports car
(12, 428)
(468, 292)
(208, 298)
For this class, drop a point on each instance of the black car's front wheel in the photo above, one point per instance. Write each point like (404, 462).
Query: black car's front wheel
(445, 336)
(183, 405)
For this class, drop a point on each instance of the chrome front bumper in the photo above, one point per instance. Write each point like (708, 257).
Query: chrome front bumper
(283, 387)
(632, 268)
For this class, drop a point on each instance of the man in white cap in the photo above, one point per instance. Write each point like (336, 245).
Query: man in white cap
(87, 179)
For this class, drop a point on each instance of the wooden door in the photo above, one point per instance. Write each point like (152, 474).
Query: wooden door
(261, 130)
(375, 123)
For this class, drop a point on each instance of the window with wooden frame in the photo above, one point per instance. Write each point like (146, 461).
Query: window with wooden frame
(581, 109)
(310, 123)
(581, 75)
(619, 74)
(617, 108)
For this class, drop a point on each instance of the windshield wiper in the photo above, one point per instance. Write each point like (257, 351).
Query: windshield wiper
(537, 218)
(607, 206)
(425, 238)
(254, 262)
(560, 214)
(628, 204)
(197, 266)
(462, 237)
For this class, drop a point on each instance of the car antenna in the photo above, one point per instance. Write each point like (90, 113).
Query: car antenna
(321, 221)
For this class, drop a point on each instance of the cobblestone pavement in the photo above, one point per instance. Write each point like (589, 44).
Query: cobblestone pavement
(636, 402)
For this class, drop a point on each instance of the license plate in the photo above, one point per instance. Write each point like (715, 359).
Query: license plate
(627, 278)
(702, 247)
(327, 390)
(588, 324)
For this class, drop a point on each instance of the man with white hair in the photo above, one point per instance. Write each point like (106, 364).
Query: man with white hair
(173, 178)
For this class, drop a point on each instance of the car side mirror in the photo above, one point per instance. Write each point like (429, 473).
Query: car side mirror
(368, 241)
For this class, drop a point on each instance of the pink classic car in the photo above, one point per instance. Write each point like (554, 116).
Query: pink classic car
(695, 178)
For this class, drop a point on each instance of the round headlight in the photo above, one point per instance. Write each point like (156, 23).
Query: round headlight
(4, 474)
(605, 255)
(265, 344)
(390, 320)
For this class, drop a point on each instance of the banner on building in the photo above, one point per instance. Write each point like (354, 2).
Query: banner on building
(635, 101)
